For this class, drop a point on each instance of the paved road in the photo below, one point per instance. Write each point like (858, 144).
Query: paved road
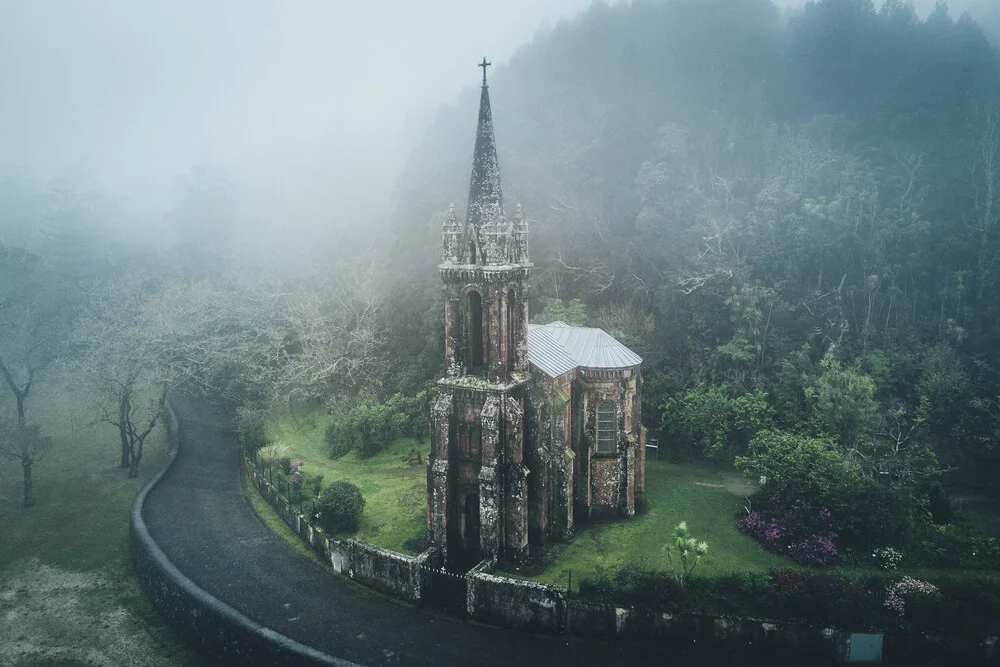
(200, 518)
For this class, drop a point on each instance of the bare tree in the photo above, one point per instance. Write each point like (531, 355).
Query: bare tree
(113, 350)
(30, 321)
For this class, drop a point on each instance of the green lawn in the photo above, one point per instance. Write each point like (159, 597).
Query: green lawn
(696, 493)
(395, 492)
(66, 587)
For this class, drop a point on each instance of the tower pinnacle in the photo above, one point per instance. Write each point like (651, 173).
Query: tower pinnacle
(484, 65)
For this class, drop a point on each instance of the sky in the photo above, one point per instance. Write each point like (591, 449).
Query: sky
(306, 103)
(282, 96)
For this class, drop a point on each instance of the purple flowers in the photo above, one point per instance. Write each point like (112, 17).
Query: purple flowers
(296, 473)
(814, 550)
(767, 532)
(774, 535)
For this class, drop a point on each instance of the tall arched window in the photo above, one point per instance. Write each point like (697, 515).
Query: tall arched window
(511, 319)
(475, 310)
(607, 428)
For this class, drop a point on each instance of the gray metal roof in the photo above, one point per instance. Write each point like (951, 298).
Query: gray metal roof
(558, 348)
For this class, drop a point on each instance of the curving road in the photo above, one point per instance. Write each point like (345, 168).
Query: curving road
(200, 518)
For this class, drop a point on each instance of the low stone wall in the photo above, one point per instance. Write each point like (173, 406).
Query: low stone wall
(527, 605)
(225, 634)
(389, 572)
(515, 604)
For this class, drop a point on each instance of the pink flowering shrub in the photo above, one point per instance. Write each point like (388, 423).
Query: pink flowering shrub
(814, 550)
(768, 532)
(775, 534)
(896, 595)
(296, 473)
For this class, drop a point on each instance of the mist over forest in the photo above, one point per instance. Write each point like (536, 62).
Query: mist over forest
(790, 210)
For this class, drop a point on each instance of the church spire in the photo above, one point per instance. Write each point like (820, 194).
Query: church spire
(484, 221)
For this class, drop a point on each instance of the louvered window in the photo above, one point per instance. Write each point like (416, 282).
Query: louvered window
(607, 428)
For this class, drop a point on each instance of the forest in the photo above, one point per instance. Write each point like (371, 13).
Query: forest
(792, 215)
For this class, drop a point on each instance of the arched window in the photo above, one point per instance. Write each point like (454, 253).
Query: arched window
(607, 427)
(475, 310)
(511, 319)
(472, 252)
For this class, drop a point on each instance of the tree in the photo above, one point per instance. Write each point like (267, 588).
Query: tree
(687, 550)
(113, 349)
(843, 401)
(573, 313)
(32, 311)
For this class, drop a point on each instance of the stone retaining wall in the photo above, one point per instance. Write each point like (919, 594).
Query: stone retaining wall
(395, 574)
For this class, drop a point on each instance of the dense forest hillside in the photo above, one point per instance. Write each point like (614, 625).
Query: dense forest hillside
(798, 212)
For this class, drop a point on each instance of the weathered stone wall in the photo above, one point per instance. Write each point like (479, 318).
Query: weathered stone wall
(527, 605)
(515, 604)
(395, 574)
(228, 636)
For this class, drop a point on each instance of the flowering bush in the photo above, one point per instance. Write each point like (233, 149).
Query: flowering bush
(296, 473)
(887, 558)
(814, 550)
(768, 532)
(896, 595)
(775, 535)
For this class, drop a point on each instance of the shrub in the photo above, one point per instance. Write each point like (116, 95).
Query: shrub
(887, 558)
(249, 426)
(814, 550)
(367, 428)
(897, 595)
(337, 446)
(339, 507)
(271, 454)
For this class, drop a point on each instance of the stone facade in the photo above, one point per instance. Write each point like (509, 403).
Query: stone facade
(514, 455)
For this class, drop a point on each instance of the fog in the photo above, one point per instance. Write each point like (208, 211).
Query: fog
(308, 107)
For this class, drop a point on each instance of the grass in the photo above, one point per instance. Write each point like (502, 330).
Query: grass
(395, 491)
(71, 546)
(277, 525)
(695, 493)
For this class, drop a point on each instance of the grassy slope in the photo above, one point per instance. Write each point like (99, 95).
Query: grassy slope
(79, 526)
(688, 492)
(395, 492)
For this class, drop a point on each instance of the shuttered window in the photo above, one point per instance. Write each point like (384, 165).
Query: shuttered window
(607, 428)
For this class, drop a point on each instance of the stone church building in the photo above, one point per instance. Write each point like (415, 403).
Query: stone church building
(534, 427)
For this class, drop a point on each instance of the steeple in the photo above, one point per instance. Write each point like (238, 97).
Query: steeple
(485, 227)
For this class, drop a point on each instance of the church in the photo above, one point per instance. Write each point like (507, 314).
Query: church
(534, 427)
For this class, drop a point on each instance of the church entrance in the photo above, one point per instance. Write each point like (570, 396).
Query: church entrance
(464, 551)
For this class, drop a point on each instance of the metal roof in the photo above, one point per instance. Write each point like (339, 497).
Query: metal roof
(558, 348)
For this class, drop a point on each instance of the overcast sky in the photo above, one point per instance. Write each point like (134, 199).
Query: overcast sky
(285, 94)
(136, 92)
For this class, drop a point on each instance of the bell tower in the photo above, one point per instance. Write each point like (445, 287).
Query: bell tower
(476, 478)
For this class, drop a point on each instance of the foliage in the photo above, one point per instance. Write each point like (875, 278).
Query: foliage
(842, 401)
(339, 507)
(804, 480)
(814, 550)
(395, 491)
(887, 558)
(366, 427)
(708, 419)
(897, 594)
(269, 455)
(573, 313)
(248, 423)
(958, 605)
(687, 550)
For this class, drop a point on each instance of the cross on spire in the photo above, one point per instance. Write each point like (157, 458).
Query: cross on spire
(484, 65)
